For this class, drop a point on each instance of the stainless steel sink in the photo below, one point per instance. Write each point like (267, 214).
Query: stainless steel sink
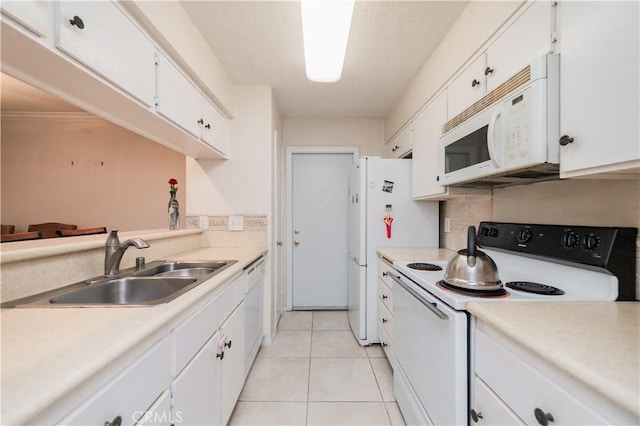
(126, 291)
(159, 282)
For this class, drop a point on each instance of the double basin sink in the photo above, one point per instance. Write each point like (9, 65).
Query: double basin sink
(158, 282)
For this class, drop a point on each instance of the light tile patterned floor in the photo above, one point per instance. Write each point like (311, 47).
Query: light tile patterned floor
(316, 373)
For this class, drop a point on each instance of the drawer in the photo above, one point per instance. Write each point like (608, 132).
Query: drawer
(524, 388)
(489, 409)
(191, 335)
(129, 394)
(386, 343)
(383, 267)
(385, 294)
(385, 318)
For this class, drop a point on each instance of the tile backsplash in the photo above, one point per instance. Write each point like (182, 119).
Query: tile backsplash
(253, 234)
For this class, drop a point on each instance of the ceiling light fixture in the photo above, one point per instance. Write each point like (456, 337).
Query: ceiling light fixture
(325, 30)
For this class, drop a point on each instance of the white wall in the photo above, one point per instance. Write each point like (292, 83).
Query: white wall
(368, 134)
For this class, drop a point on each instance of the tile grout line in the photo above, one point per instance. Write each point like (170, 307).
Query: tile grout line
(306, 420)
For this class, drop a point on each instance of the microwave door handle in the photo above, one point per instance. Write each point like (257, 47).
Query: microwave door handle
(491, 140)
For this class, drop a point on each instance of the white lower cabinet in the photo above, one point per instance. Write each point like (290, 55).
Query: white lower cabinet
(231, 363)
(131, 393)
(514, 386)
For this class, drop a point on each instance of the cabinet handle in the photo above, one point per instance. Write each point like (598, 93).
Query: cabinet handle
(384, 345)
(542, 417)
(220, 355)
(488, 70)
(565, 140)
(384, 320)
(475, 83)
(201, 121)
(475, 415)
(115, 422)
(207, 126)
(228, 344)
(384, 297)
(77, 22)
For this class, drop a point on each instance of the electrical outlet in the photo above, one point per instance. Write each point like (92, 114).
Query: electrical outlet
(203, 222)
(236, 223)
(447, 224)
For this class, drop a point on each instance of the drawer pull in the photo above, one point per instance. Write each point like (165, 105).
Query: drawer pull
(228, 344)
(384, 297)
(384, 320)
(475, 415)
(115, 422)
(77, 21)
(384, 274)
(220, 355)
(475, 83)
(542, 417)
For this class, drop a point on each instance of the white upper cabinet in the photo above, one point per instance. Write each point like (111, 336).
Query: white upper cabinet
(401, 144)
(179, 101)
(526, 38)
(35, 15)
(599, 112)
(102, 37)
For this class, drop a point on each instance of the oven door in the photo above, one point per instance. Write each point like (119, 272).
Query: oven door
(430, 347)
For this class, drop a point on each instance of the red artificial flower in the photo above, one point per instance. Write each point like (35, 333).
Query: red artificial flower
(173, 185)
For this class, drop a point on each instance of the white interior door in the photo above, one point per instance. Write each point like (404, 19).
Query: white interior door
(320, 211)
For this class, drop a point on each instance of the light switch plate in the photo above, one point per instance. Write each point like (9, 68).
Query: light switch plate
(203, 222)
(236, 223)
(447, 224)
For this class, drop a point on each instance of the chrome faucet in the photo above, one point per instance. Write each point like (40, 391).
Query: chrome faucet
(114, 252)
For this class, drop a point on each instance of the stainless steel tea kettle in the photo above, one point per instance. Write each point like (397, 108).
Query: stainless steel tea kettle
(471, 268)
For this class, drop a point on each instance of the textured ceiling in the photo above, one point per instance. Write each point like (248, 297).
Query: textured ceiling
(260, 43)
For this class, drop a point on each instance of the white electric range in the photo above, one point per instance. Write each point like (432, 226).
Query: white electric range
(431, 326)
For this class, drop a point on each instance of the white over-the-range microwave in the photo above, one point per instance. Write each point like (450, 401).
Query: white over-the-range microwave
(510, 136)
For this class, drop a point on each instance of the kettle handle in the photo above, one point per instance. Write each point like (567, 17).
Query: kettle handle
(471, 241)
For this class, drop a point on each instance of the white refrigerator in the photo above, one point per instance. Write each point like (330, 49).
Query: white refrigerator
(380, 187)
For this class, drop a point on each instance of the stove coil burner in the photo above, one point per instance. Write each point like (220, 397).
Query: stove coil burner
(536, 288)
(424, 266)
(474, 293)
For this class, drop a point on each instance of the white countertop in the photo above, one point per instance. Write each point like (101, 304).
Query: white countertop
(49, 353)
(598, 343)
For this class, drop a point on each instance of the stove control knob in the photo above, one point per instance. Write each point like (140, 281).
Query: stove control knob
(569, 240)
(494, 232)
(590, 242)
(524, 235)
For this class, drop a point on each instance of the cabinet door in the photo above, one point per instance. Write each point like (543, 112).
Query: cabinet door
(197, 389)
(489, 409)
(525, 39)
(467, 88)
(215, 131)
(599, 86)
(178, 100)
(35, 15)
(401, 144)
(426, 148)
(104, 39)
(159, 414)
(232, 371)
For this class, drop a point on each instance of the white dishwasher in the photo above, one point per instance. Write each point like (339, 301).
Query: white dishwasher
(253, 305)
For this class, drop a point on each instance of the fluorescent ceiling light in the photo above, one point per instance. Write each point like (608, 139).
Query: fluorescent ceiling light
(325, 29)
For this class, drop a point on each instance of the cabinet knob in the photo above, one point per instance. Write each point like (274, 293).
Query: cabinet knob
(384, 320)
(475, 83)
(565, 140)
(228, 344)
(488, 70)
(384, 297)
(220, 355)
(384, 345)
(201, 121)
(475, 415)
(207, 126)
(77, 22)
(542, 417)
(115, 422)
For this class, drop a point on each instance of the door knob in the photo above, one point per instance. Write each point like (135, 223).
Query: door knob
(296, 231)
(296, 243)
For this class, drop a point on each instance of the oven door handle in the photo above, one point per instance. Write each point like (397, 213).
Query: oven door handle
(432, 306)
